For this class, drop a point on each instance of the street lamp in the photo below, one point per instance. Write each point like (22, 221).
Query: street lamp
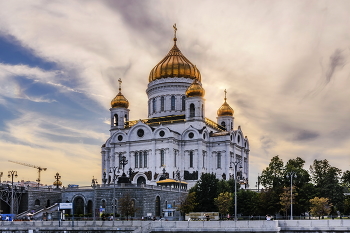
(114, 171)
(258, 183)
(94, 185)
(178, 178)
(291, 175)
(57, 177)
(12, 174)
(235, 164)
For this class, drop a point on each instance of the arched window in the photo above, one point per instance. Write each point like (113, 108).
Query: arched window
(162, 103)
(37, 202)
(48, 203)
(223, 124)
(116, 119)
(172, 102)
(202, 110)
(161, 157)
(192, 110)
(136, 159)
(154, 105)
(218, 160)
(140, 161)
(126, 117)
(183, 103)
(103, 203)
(145, 159)
(157, 206)
(191, 158)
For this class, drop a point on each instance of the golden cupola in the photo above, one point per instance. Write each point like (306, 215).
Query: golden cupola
(174, 64)
(120, 101)
(195, 89)
(225, 109)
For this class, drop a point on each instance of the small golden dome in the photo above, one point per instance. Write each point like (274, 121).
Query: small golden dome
(174, 64)
(225, 109)
(195, 89)
(120, 101)
(57, 182)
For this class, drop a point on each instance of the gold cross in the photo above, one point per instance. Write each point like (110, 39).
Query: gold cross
(175, 29)
(120, 84)
(225, 94)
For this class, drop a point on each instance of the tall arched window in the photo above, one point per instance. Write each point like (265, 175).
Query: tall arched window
(116, 119)
(161, 157)
(162, 103)
(191, 158)
(192, 110)
(145, 159)
(136, 159)
(218, 160)
(183, 103)
(172, 102)
(140, 160)
(154, 105)
(202, 110)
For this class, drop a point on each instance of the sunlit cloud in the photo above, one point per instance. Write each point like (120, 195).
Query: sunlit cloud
(283, 63)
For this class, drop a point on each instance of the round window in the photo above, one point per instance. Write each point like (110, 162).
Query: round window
(140, 133)
(161, 133)
(120, 138)
(190, 135)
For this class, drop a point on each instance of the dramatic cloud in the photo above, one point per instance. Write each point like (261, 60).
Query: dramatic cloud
(283, 63)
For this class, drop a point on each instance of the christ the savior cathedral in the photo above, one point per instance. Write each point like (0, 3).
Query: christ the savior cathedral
(177, 141)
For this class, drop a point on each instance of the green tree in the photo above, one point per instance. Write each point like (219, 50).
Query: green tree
(248, 202)
(346, 179)
(127, 206)
(320, 206)
(223, 202)
(272, 176)
(188, 203)
(301, 184)
(206, 191)
(326, 179)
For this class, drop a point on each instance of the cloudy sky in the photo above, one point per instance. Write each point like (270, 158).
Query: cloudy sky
(285, 65)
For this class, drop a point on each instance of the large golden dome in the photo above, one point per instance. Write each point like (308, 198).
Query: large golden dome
(225, 109)
(195, 89)
(174, 64)
(120, 101)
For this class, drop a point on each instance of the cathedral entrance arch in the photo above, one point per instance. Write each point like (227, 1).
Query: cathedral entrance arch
(157, 210)
(141, 180)
(78, 205)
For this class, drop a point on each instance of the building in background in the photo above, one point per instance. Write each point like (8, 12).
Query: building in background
(176, 139)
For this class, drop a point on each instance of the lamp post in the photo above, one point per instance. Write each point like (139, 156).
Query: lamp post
(291, 175)
(235, 164)
(12, 174)
(114, 171)
(57, 177)
(178, 177)
(94, 185)
(258, 183)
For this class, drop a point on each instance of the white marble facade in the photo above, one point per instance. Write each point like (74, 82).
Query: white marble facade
(176, 136)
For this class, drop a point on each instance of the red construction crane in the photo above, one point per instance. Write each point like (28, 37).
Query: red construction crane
(29, 165)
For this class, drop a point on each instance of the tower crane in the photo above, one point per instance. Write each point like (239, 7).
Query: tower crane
(29, 165)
